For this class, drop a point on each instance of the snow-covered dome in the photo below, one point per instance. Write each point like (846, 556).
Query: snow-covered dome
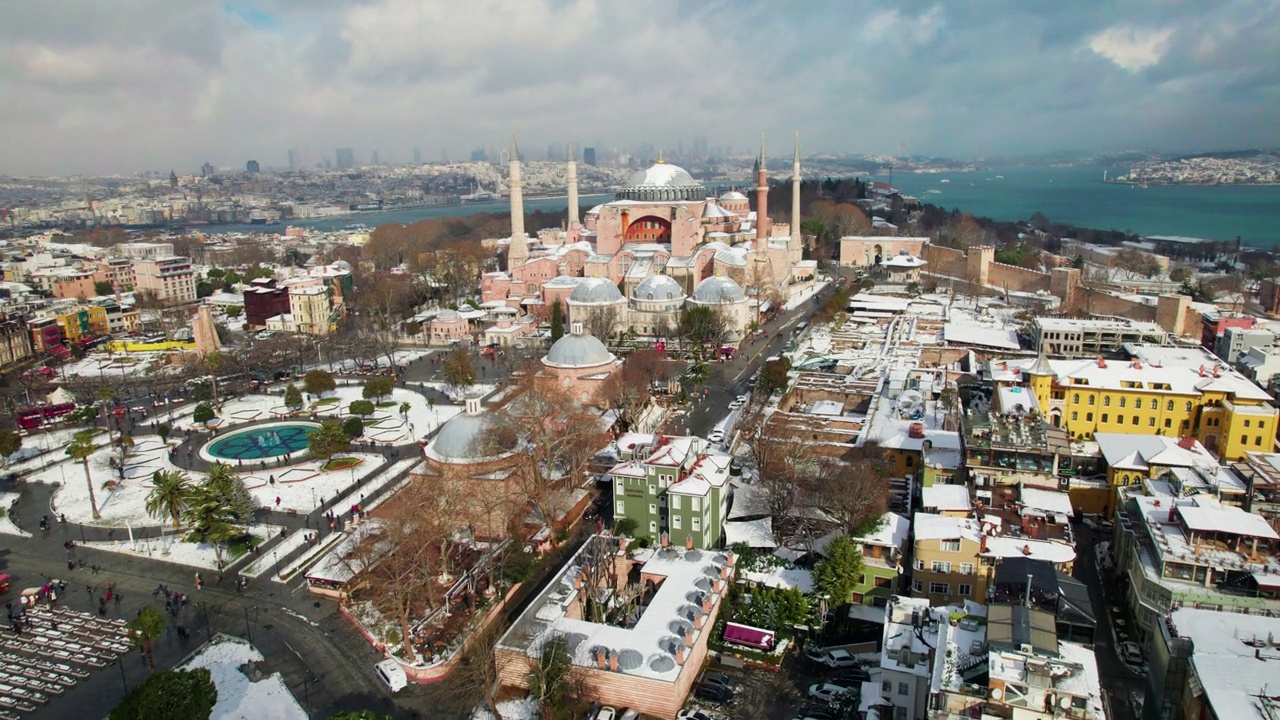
(662, 181)
(904, 261)
(459, 439)
(658, 287)
(449, 316)
(561, 281)
(595, 210)
(596, 291)
(577, 350)
(733, 195)
(718, 289)
(714, 211)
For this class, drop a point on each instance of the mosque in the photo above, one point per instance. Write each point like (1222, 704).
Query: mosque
(662, 244)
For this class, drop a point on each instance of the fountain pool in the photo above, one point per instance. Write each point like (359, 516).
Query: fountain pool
(264, 441)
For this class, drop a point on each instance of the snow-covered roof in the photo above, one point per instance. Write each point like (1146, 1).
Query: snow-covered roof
(1224, 658)
(1123, 451)
(942, 527)
(1208, 516)
(1047, 501)
(969, 334)
(891, 532)
(755, 533)
(1005, 547)
(946, 497)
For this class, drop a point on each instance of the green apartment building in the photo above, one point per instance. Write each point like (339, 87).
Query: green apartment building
(672, 486)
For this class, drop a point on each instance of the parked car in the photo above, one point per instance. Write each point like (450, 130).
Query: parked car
(606, 713)
(693, 714)
(716, 436)
(713, 693)
(854, 675)
(841, 659)
(716, 678)
(815, 713)
(826, 692)
(1131, 653)
(630, 715)
(392, 675)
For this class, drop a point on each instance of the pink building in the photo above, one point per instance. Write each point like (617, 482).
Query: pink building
(447, 327)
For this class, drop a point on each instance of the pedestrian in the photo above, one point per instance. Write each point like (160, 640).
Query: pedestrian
(118, 600)
(277, 502)
(71, 564)
(94, 569)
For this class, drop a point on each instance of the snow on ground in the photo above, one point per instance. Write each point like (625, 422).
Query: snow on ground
(522, 709)
(7, 499)
(171, 548)
(403, 357)
(481, 389)
(238, 698)
(119, 365)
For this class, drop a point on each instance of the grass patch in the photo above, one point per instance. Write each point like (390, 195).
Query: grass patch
(241, 544)
(326, 401)
(341, 463)
(388, 404)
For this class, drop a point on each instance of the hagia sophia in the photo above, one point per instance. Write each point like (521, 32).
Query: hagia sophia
(661, 245)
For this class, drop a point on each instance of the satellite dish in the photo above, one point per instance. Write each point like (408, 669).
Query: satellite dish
(997, 693)
(1064, 702)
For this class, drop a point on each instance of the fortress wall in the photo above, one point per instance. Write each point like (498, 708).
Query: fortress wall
(1016, 279)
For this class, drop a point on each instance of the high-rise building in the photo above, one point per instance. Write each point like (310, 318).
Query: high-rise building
(417, 155)
(252, 166)
(207, 169)
(346, 158)
(589, 156)
(373, 158)
(479, 155)
(552, 152)
(294, 162)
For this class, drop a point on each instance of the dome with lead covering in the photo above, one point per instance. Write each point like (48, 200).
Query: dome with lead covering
(662, 181)
(459, 439)
(658, 287)
(595, 291)
(578, 350)
(718, 289)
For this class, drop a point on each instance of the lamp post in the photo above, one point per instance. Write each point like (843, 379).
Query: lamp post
(120, 664)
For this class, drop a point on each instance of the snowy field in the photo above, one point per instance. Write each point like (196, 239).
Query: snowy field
(171, 548)
(7, 499)
(238, 698)
(481, 389)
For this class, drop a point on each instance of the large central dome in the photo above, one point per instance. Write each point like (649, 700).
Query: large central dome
(662, 181)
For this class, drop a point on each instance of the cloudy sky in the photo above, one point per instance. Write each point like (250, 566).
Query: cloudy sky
(127, 85)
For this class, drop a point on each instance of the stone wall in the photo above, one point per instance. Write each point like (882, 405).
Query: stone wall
(945, 261)
(1012, 278)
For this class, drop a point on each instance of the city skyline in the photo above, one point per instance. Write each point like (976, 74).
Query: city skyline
(150, 85)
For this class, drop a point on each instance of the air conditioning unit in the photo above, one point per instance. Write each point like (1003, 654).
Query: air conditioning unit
(1025, 649)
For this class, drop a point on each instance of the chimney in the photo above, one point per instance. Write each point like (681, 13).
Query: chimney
(613, 662)
(600, 657)
(724, 571)
(1217, 371)
(984, 543)
(1137, 364)
(577, 581)
(706, 604)
(697, 622)
(688, 542)
(1173, 513)
(1026, 549)
(732, 559)
(1102, 362)
(622, 544)
(688, 638)
(1186, 442)
(1201, 371)
(680, 656)
(716, 584)
(666, 540)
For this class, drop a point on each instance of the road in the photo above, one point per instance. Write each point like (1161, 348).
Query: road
(1118, 682)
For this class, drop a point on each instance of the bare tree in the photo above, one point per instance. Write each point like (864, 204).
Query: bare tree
(855, 490)
(602, 323)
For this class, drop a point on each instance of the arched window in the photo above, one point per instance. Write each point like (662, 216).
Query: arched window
(1075, 399)
(1169, 406)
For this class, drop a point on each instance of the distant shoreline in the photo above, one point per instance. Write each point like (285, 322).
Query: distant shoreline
(1190, 184)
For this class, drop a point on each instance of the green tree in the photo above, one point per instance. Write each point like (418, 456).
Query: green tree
(557, 321)
(233, 311)
(458, 369)
(171, 493)
(163, 430)
(328, 440)
(353, 426)
(1181, 274)
(404, 408)
(318, 382)
(551, 685)
(625, 526)
(81, 448)
(170, 695)
(103, 287)
(203, 413)
(292, 396)
(10, 443)
(838, 572)
(225, 483)
(362, 407)
(377, 388)
(211, 519)
(145, 629)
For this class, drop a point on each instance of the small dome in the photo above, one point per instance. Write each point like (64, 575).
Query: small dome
(576, 351)
(595, 210)
(562, 281)
(595, 290)
(662, 175)
(459, 438)
(718, 289)
(449, 315)
(658, 287)
(904, 261)
(733, 195)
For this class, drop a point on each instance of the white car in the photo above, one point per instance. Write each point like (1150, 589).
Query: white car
(606, 713)
(826, 692)
(392, 675)
(693, 714)
(716, 436)
(1131, 653)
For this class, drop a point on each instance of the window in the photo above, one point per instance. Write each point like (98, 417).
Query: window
(887, 687)
(1257, 440)
(1074, 416)
(653, 527)
(1168, 423)
(697, 522)
(621, 489)
(1090, 399)
(1120, 419)
(899, 713)
(966, 568)
(1244, 439)
(1135, 419)
(940, 566)
(903, 688)
(653, 509)
(919, 564)
(695, 503)
(1106, 401)
(675, 502)
(1123, 401)
(676, 522)
(1246, 423)
(910, 461)
(950, 546)
(964, 589)
(1075, 399)
(1151, 422)
(1169, 406)
(1262, 424)
(937, 588)
(1155, 404)
(1188, 406)
(653, 490)
(619, 508)
(1104, 417)
(915, 587)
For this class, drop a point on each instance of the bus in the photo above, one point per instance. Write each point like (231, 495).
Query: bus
(32, 418)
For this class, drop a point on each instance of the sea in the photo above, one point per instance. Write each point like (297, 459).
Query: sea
(1075, 195)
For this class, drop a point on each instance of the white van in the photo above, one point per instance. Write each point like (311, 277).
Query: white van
(390, 672)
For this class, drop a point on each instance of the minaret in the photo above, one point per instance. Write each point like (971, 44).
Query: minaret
(517, 193)
(571, 171)
(762, 195)
(795, 196)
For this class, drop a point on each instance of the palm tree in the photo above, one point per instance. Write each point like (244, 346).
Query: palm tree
(106, 394)
(145, 628)
(170, 495)
(81, 448)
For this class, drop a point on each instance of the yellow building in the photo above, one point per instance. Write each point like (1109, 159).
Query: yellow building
(1168, 391)
(84, 321)
(948, 566)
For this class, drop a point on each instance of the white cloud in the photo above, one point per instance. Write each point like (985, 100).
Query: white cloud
(1132, 48)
